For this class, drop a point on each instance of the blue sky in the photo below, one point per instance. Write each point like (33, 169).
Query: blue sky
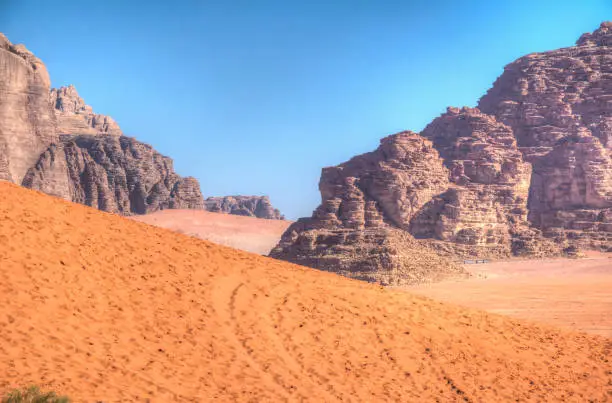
(255, 97)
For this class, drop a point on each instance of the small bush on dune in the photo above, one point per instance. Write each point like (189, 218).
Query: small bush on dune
(33, 394)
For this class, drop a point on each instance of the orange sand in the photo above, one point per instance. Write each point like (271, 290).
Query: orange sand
(100, 307)
(246, 233)
(571, 293)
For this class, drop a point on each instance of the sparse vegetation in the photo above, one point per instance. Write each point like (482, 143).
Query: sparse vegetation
(33, 394)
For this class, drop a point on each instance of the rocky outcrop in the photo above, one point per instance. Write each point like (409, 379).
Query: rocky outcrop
(383, 255)
(27, 122)
(75, 117)
(527, 172)
(559, 106)
(360, 228)
(250, 206)
(484, 210)
(112, 173)
(51, 141)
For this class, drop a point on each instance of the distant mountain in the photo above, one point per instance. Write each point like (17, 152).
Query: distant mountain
(251, 206)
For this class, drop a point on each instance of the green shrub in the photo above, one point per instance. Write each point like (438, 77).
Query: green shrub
(33, 394)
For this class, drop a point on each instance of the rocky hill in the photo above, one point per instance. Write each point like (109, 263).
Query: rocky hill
(250, 206)
(112, 173)
(52, 141)
(528, 172)
(559, 106)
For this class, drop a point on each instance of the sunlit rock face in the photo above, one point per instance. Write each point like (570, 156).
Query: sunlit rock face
(52, 141)
(27, 121)
(484, 210)
(360, 230)
(527, 172)
(559, 106)
(76, 117)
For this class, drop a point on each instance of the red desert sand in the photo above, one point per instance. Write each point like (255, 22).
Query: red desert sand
(103, 308)
(251, 234)
(571, 293)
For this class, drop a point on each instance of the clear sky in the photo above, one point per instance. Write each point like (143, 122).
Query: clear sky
(255, 97)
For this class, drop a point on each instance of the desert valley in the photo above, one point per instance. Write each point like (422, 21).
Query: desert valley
(469, 262)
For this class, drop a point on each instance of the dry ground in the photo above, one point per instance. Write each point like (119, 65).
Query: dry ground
(251, 234)
(99, 307)
(571, 293)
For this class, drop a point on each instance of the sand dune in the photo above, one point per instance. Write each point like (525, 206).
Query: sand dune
(251, 234)
(100, 307)
(571, 293)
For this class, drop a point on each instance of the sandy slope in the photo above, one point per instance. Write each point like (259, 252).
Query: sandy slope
(572, 293)
(251, 234)
(97, 306)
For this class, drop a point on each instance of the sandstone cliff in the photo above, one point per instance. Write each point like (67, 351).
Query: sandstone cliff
(112, 173)
(559, 106)
(527, 172)
(484, 210)
(51, 141)
(27, 122)
(360, 229)
(75, 117)
(250, 206)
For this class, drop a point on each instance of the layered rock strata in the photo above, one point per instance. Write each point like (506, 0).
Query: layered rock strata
(112, 173)
(527, 172)
(51, 141)
(559, 106)
(250, 206)
(360, 229)
(484, 210)
(76, 117)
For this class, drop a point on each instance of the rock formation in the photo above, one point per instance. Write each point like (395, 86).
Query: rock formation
(75, 117)
(27, 122)
(559, 106)
(112, 173)
(359, 230)
(484, 210)
(250, 206)
(51, 141)
(527, 172)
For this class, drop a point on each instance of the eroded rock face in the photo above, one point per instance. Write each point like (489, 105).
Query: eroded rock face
(360, 228)
(27, 122)
(112, 173)
(383, 255)
(528, 172)
(461, 188)
(51, 141)
(250, 206)
(485, 207)
(76, 117)
(559, 106)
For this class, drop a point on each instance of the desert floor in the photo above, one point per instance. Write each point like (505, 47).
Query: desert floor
(571, 293)
(251, 234)
(104, 308)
